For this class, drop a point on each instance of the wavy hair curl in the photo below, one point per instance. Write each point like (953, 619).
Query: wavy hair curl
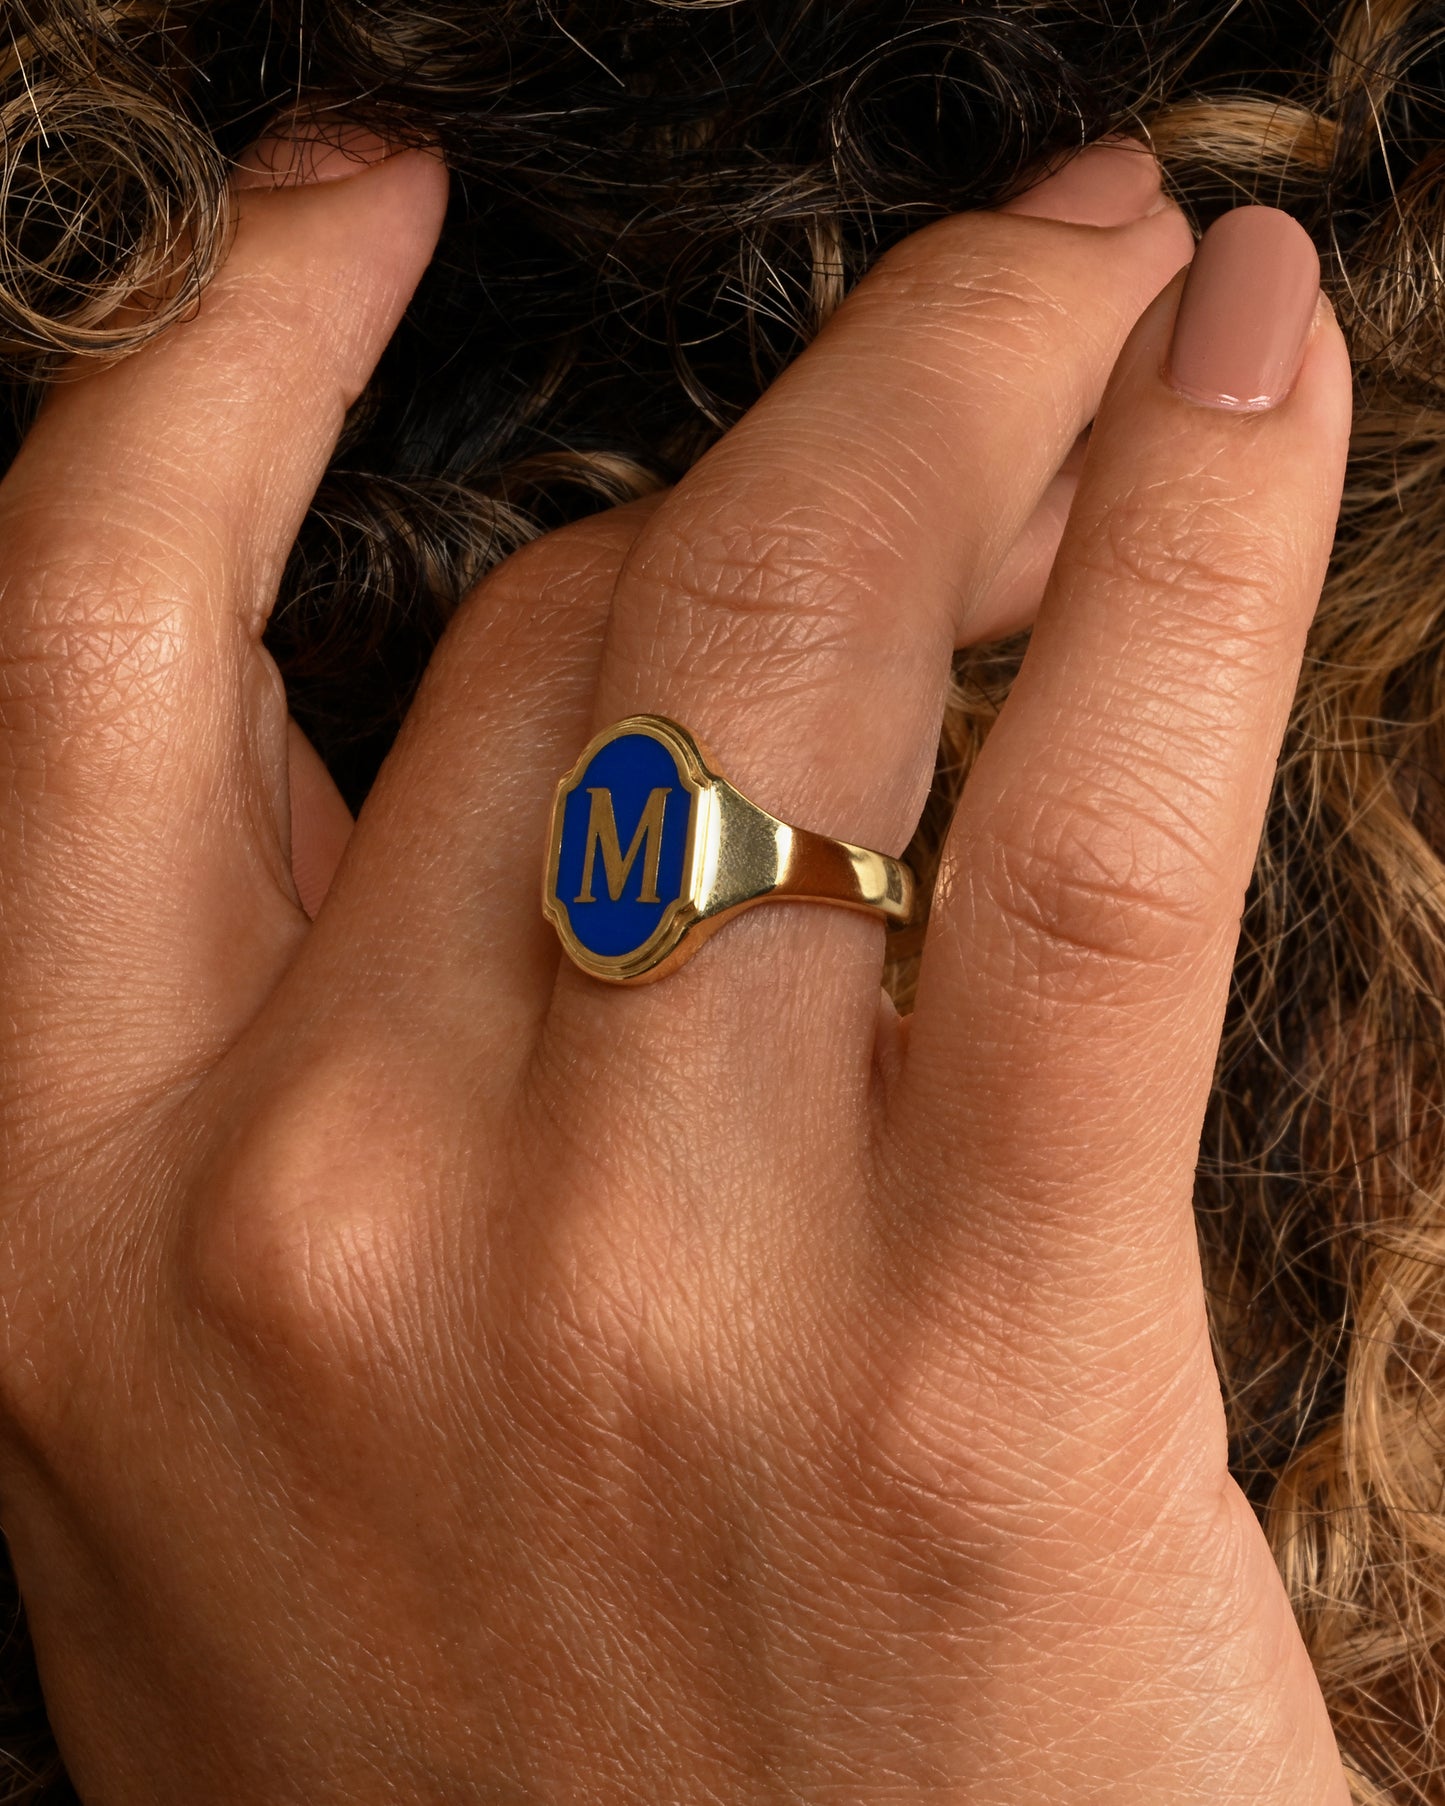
(656, 204)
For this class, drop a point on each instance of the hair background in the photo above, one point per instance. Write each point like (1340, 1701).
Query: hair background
(656, 203)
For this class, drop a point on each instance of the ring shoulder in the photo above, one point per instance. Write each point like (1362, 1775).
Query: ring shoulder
(742, 852)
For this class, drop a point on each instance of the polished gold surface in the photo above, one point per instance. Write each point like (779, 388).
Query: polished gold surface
(736, 855)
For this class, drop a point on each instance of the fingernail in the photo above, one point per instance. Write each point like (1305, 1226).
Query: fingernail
(310, 152)
(1248, 303)
(1111, 183)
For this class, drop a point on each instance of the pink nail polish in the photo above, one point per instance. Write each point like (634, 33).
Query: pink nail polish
(1248, 303)
(312, 152)
(1111, 183)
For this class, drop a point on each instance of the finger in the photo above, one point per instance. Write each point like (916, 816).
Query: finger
(144, 873)
(321, 823)
(1079, 949)
(442, 871)
(535, 629)
(1012, 597)
(797, 599)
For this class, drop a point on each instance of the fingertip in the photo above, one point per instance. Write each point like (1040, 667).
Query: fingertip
(352, 182)
(300, 156)
(418, 188)
(1315, 379)
(1115, 185)
(1111, 182)
(334, 261)
(304, 150)
(1246, 312)
(1324, 391)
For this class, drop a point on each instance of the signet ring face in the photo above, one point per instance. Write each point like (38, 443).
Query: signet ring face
(651, 850)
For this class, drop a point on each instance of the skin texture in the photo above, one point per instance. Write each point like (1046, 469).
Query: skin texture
(428, 1375)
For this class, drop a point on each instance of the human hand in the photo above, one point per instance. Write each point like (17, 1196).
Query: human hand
(431, 1375)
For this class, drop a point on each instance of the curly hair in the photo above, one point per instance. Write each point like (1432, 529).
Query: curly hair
(655, 205)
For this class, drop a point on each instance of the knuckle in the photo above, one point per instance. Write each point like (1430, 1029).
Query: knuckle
(103, 678)
(92, 639)
(296, 1253)
(1203, 557)
(82, 635)
(790, 588)
(1096, 896)
(605, 1291)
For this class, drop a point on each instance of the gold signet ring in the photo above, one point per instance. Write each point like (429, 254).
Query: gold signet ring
(652, 850)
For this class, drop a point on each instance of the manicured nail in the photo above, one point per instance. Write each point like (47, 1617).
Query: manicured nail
(1111, 183)
(1248, 303)
(310, 152)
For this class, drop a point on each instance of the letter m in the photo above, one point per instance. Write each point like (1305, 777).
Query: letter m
(602, 832)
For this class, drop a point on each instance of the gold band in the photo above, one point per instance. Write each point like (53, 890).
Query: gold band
(652, 850)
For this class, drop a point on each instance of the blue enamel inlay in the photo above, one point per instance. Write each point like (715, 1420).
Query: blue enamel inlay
(629, 769)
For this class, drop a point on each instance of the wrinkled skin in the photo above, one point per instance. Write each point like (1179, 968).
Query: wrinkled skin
(429, 1374)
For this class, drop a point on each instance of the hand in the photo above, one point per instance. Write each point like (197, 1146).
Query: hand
(431, 1375)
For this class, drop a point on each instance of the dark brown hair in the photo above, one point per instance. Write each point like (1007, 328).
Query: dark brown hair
(656, 202)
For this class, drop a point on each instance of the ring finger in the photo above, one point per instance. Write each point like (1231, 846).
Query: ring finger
(796, 599)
